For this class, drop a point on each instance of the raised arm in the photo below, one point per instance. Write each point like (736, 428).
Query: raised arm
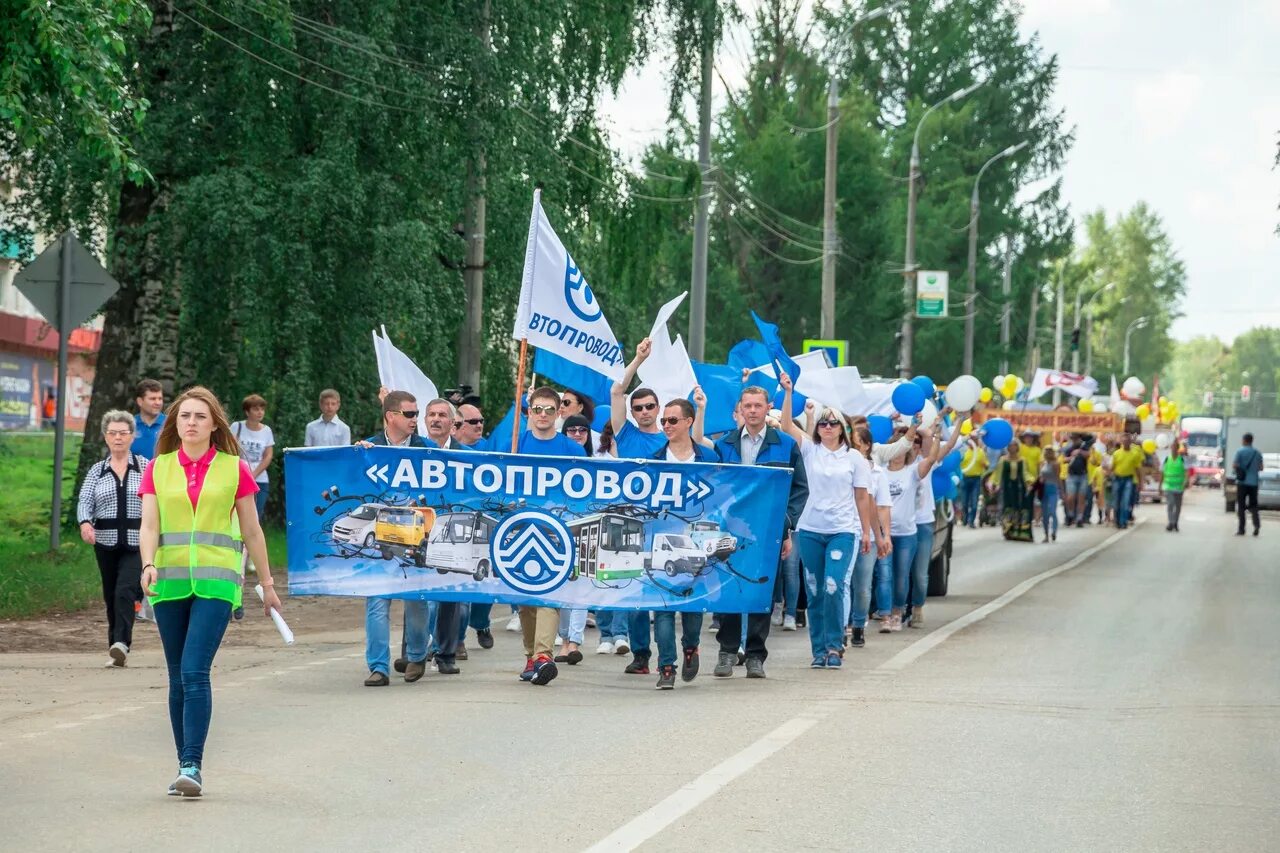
(618, 393)
(788, 422)
(700, 417)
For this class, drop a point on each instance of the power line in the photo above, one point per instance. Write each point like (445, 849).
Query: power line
(767, 250)
(779, 234)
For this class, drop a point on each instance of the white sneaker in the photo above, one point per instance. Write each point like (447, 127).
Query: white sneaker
(788, 623)
(605, 647)
(559, 640)
(119, 654)
(917, 618)
(895, 623)
(621, 647)
(777, 615)
(513, 624)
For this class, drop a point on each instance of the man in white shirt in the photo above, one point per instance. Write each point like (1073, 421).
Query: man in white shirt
(327, 430)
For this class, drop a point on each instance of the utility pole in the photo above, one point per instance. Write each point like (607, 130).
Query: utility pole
(1033, 350)
(971, 293)
(471, 334)
(1057, 336)
(1075, 337)
(907, 333)
(698, 285)
(829, 216)
(1005, 318)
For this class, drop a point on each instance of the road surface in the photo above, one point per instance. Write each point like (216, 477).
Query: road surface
(1107, 691)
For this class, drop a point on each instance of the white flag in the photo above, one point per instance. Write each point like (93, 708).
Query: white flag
(1073, 383)
(667, 371)
(398, 373)
(557, 311)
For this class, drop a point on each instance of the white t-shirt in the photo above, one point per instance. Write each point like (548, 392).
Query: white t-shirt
(253, 444)
(833, 475)
(671, 456)
(924, 497)
(880, 486)
(903, 486)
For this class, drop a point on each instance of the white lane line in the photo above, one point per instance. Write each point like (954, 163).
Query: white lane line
(649, 823)
(931, 641)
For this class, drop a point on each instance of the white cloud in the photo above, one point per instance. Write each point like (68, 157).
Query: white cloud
(1164, 103)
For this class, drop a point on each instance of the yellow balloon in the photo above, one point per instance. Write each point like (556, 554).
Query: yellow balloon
(1149, 446)
(1085, 405)
(985, 395)
(1164, 401)
(1010, 387)
(966, 426)
(1144, 412)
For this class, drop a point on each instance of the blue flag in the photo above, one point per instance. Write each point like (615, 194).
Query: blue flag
(572, 375)
(748, 354)
(778, 356)
(723, 385)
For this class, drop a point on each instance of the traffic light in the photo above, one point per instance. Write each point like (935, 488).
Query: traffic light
(1245, 393)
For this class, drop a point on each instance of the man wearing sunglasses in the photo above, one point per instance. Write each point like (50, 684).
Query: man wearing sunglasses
(638, 440)
(758, 444)
(399, 429)
(470, 428)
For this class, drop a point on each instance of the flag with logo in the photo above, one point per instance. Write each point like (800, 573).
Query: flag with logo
(1073, 383)
(558, 311)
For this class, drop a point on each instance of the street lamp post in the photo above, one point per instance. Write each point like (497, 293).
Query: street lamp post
(970, 302)
(1139, 323)
(909, 269)
(1075, 333)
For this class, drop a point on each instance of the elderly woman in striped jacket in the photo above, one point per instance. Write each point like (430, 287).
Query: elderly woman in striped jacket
(110, 515)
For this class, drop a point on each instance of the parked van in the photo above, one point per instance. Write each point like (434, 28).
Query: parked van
(356, 528)
(675, 553)
(403, 531)
(460, 543)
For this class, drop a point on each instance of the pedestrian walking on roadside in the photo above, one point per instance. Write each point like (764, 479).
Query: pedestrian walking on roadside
(1126, 467)
(926, 510)
(198, 512)
(1015, 498)
(1173, 481)
(858, 595)
(110, 516)
(1050, 486)
(1247, 465)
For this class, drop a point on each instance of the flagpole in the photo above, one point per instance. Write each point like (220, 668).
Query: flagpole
(515, 424)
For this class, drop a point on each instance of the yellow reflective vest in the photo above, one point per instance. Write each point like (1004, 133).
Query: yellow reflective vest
(199, 551)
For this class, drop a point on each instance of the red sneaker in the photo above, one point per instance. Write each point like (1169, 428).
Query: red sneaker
(527, 675)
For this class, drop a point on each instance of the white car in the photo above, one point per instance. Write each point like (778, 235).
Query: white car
(674, 554)
(356, 527)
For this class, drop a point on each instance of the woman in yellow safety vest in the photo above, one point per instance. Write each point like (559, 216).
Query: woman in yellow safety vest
(193, 494)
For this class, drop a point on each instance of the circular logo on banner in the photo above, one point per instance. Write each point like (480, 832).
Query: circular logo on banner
(532, 552)
(577, 293)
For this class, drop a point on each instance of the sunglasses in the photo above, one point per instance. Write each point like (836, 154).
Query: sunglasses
(579, 430)
(543, 410)
(471, 421)
(670, 421)
(567, 402)
(644, 407)
(829, 423)
(413, 415)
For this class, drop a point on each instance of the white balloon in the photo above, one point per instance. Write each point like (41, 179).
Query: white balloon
(928, 414)
(1009, 405)
(1133, 387)
(1021, 385)
(1163, 440)
(963, 392)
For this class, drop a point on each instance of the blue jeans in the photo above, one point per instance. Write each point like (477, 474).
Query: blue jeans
(664, 633)
(190, 631)
(920, 566)
(1049, 508)
(858, 596)
(612, 625)
(1123, 488)
(970, 488)
(377, 633)
(572, 624)
(826, 558)
(478, 618)
(638, 628)
(882, 583)
(786, 590)
(891, 588)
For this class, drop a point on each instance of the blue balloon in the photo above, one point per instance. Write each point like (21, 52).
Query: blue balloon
(997, 433)
(951, 462)
(926, 385)
(941, 481)
(881, 428)
(908, 398)
(603, 413)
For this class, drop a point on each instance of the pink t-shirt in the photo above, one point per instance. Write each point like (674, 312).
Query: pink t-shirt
(196, 472)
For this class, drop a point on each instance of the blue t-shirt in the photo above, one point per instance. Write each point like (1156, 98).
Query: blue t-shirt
(1248, 463)
(558, 445)
(144, 437)
(634, 444)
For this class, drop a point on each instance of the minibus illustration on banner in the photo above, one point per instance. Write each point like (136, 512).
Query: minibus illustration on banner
(460, 543)
(402, 531)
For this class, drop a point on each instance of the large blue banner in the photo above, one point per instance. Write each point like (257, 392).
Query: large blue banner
(452, 525)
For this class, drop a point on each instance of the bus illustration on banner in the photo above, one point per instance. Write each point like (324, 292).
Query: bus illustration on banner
(611, 547)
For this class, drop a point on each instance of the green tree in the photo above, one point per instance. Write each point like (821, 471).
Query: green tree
(1255, 361)
(1197, 366)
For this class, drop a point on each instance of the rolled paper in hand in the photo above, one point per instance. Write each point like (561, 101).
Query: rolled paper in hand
(281, 626)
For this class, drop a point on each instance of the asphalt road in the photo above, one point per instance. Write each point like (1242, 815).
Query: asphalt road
(1104, 692)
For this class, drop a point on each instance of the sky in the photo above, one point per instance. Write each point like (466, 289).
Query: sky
(1174, 102)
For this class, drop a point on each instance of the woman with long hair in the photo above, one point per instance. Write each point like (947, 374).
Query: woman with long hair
(1015, 498)
(198, 512)
(904, 485)
(1050, 481)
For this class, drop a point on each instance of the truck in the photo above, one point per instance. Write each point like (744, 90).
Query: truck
(1266, 439)
(402, 531)
(1203, 437)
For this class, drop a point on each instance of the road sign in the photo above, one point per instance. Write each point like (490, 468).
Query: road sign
(67, 285)
(931, 293)
(837, 351)
(1245, 393)
(91, 285)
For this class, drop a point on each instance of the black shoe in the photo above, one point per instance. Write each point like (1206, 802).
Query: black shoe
(715, 625)
(485, 636)
(237, 614)
(689, 671)
(724, 665)
(461, 653)
(1168, 528)
(400, 664)
(859, 638)
(638, 666)
(446, 667)
(666, 678)
(802, 620)
(1256, 531)
(572, 658)
(1239, 532)
(755, 668)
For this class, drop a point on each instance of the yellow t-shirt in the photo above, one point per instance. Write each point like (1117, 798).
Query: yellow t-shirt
(1126, 463)
(974, 463)
(1031, 462)
(1097, 479)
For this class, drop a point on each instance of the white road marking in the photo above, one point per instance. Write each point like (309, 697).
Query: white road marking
(661, 815)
